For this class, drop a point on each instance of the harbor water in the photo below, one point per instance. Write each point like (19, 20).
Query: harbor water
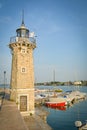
(65, 119)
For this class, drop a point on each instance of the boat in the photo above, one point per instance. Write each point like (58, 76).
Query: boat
(56, 102)
(65, 99)
(58, 90)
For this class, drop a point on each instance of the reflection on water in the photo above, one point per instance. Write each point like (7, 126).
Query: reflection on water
(65, 119)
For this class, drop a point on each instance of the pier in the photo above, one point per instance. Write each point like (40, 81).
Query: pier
(11, 119)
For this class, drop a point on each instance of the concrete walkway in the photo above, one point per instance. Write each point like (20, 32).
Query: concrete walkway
(11, 119)
(36, 123)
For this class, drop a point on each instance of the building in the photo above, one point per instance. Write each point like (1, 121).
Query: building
(77, 83)
(22, 70)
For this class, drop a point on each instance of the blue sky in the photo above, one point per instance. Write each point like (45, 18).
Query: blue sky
(61, 30)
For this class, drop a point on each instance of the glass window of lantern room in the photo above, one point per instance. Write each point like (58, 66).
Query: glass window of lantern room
(27, 34)
(23, 33)
(19, 33)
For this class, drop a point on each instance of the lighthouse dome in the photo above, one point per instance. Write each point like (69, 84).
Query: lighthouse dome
(22, 31)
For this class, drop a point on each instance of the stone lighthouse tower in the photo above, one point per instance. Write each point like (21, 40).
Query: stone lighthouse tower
(22, 71)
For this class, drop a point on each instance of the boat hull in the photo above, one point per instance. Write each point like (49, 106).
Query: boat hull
(55, 104)
(62, 108)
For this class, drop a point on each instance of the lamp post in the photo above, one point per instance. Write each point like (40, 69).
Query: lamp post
(4, 81)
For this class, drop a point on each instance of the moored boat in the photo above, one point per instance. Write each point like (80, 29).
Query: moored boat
(57, 101)
(56, 104)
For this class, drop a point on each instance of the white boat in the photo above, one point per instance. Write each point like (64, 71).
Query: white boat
(70, 96)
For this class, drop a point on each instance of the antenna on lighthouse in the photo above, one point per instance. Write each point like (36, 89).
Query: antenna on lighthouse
(22, 17)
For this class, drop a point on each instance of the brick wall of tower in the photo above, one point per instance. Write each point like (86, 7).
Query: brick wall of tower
(21, 60)
(22, 83)
(25, 79)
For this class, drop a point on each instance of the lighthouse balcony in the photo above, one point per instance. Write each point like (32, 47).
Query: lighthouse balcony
(14, 39)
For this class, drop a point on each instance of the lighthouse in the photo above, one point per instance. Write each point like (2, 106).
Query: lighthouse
(22, 69)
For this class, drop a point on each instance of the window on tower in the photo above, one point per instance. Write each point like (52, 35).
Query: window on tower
(23, 50)
(23, 70)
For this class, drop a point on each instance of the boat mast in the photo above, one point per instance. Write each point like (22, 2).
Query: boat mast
(54, 82)
(54, 76)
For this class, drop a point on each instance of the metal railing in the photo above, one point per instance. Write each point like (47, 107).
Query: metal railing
(16, 39)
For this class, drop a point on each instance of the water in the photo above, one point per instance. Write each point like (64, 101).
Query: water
(65, 120)
(4, 86)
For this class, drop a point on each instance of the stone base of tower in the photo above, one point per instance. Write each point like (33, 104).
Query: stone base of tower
(24, 98)
(13, 94)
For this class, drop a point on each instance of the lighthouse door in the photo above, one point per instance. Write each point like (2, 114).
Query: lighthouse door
(23, 103)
